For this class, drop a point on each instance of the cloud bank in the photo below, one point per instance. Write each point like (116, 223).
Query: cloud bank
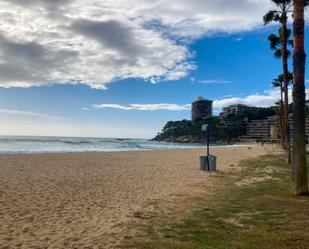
(267, 99)
(97, 42)
(144, 107)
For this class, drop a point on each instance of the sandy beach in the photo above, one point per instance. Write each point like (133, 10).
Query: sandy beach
(85, 200)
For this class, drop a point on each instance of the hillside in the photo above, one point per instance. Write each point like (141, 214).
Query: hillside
(226, 130)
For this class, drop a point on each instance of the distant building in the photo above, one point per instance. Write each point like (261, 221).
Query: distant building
(234, 109)
(267, 128)
(262, 129)
(201, 108)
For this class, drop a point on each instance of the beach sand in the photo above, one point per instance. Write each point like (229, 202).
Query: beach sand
(85, 200)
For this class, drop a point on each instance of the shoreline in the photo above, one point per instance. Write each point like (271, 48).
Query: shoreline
(201, 147)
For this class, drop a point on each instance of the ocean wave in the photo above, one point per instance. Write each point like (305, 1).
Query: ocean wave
(25, 145)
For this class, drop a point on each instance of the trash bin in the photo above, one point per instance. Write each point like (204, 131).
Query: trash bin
(212, 160)
(208, 163)
(203, 162)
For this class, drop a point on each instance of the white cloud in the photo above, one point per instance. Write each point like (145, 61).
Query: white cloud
(97, 42)
(238, 39)
(214, 81)
(144, 107)
(28, 113)
(267, 99)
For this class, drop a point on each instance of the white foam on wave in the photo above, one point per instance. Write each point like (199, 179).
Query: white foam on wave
(26, 145)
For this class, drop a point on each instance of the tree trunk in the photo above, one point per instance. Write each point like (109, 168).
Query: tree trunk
(281, 113)
(284, 39)
(299, 168)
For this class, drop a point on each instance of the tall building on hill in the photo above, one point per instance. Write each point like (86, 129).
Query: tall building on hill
(201, 108)
(234, 109)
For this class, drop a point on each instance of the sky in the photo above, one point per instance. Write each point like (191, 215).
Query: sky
(124, 68)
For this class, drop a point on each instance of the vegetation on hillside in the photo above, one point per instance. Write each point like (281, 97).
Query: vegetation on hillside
(224, 130)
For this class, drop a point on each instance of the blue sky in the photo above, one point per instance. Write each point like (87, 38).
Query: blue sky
(228, 66)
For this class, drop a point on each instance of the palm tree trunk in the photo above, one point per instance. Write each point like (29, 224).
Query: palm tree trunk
(286, 89)
(281, 113)
(299, 168)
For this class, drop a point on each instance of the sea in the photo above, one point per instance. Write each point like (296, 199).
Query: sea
(30, 145)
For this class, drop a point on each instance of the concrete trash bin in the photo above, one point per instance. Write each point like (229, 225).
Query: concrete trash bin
(212, 163)
(208, 163)
(203, 162)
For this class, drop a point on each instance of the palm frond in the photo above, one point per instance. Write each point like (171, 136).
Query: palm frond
(276, 83)
(271, 16)
(287, 31)
(278, 53)
(280, 78)
(283, 18)
(274, 41)
(282, 2)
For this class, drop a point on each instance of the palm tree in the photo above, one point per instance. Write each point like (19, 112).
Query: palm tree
(280, 15)
(275, 44)
(278, 82)
(299, 168)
